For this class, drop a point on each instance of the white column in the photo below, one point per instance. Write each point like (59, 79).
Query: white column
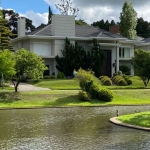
(117, 58)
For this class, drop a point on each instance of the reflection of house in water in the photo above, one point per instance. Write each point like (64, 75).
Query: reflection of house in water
(49, 41)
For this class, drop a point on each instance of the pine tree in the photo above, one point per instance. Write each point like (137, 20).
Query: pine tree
(5, 34)
(50, 13)
(128, 21)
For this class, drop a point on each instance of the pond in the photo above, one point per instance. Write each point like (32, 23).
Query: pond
(77, 128)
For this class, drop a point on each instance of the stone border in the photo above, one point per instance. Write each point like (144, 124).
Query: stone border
(117, 122)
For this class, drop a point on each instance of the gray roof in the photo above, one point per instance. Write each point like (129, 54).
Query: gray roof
(80, 31)
(147, 40)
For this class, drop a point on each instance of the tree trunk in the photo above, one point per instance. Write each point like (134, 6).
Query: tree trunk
(16, 85)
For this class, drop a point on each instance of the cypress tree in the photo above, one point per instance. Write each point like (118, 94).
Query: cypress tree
(128, 21)
(5, 34)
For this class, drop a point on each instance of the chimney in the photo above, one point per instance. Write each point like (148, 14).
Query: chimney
(114, 29)
(21, 26)
(63, 25)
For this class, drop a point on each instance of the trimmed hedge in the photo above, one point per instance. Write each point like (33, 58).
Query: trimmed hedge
(105, 95)
(119, 80)
(84, 96)
(105, 80)
(60, 75)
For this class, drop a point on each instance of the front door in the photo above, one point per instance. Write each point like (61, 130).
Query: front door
(107, 65)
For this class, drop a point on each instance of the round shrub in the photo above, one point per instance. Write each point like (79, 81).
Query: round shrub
(94, 91)
(46, 77)
(105, 95)
(119, 80)
(105, 80)
(52, 77)
(125, 69)
(129, 82)
(60, 75)
(84, 96)
(122, 82)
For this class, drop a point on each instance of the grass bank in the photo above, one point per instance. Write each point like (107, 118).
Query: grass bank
(9, 99)
(72, 84)
(138, 119)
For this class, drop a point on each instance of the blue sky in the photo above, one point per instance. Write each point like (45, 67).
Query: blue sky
(89, 10)
(22, 6)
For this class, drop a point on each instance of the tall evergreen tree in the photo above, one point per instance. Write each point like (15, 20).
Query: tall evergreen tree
(5, 34)
(50, 13)
(128, 21)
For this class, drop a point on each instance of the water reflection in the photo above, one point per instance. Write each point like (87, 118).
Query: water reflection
(78, 128)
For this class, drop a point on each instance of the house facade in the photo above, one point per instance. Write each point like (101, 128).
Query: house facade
(50, 40)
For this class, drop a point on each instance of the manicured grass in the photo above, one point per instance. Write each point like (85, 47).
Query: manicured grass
(72, 84)
(138, 119)
(9, 99)
(58, 84)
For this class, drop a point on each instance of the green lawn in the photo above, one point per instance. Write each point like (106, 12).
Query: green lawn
(58, 84)
(139, 119)
(10, 99)
(72, 84)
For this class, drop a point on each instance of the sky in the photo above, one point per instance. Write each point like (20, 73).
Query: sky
(89, 10)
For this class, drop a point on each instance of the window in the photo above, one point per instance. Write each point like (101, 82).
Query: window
(124, 52)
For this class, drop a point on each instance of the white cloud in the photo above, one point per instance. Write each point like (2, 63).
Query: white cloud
(36, 18)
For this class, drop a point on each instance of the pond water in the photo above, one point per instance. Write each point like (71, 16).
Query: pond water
(77, 128)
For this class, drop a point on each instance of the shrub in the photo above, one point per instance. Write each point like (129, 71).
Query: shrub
(84, 96)
(105, 95)
(86, 79)
(125, 69)
(46, 77)
(129, 82)
(94, 91)
(119, 80)
(60, 75)
(52, 77)
(105, 80)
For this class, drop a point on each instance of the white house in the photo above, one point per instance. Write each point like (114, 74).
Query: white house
(49, 41)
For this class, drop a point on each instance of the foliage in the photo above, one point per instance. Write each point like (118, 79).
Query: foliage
(105, 95)
(50, 13)
(125, 69)
(66, 8)
(75, 57)
(89, 84)
(119, 80)
(104, 24)
(129, 82)
(7, 64)
(28, 64)
(12, 22)
(86, 79)
(141, 65)
(143, 28)
(105, 80)
(128, 21)
(60, 75)
(84, 96)
(81, 22)
(5, 34)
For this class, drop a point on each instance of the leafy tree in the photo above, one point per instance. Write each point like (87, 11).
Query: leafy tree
(28, 64)
(7, 64)
(97, 58)
(12, 18)
(41, 26)
(5, 34)
(80, 22)
(75, 57)
(141, 64)
(143, 28)
(50, 13)
(128, 21)
(66, 8)
(112, 23)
